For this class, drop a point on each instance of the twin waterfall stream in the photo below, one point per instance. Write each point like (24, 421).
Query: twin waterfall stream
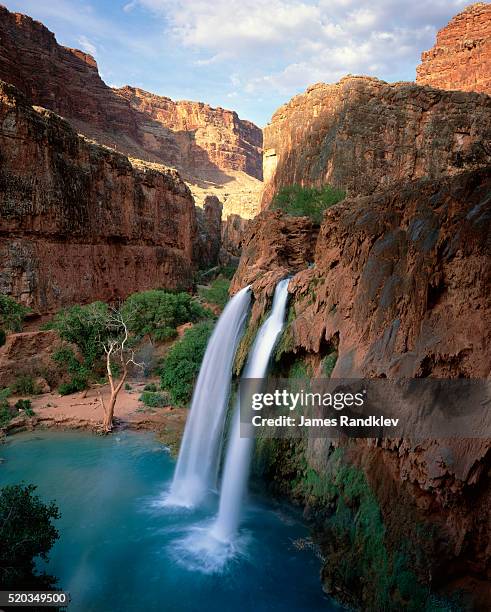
(196, 475)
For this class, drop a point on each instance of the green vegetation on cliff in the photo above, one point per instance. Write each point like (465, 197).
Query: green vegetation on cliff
(181, 365)
(363, 562)
(299, 201)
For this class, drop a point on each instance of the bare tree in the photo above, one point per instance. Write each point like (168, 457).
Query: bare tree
(117, 352)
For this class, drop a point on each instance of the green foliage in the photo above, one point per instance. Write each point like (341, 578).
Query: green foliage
(329, 363)
(310, 202)
(3, 337)
(26, 532)
(86, 327)
(80, 373)
(25, 405)
(154, 399)
(11, 313)
(151, 387)
(157, 313)
(26, 385)
(5, 411)
(217, 293)
(127, 387)
(183, 361)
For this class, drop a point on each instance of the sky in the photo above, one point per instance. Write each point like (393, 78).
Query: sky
(247, 55)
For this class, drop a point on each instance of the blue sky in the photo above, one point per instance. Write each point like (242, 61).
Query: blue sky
(247, 55)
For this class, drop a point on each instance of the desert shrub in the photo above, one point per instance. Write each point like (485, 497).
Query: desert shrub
(157, 313)
(127, 387)
(183, 361)
(25, 405)
(310, 202)
(151, 387)
(11, 313)
(80, 374)
(3, 337)
(154, 399)
(73, 386)
(217, 293)
(5, 410)
(26, 532)
(26, 385)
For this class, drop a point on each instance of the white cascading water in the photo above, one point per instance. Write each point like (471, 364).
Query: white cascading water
(197, 465)
(239, 451)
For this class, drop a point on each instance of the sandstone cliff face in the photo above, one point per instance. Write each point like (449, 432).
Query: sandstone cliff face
(363, 135)
(213, 148)
(208, 242)
(81, 222)
(461, 57)
(395, 284)
(203, 134)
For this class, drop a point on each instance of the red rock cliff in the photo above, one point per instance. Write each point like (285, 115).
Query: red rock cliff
(461, 57)
(213, 148)
(80, 222)
(363, 135)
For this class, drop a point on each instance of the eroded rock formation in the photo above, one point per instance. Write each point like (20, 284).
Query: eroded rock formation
(216, 152)
(363, 135)
(395, 284)
(81, 222)
(461, 57)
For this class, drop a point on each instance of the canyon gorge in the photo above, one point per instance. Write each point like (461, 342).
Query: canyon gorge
(107, 191)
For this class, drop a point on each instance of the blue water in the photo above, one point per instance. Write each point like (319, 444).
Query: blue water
(121, 549)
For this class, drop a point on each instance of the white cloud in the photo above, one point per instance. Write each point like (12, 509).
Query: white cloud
(288, 44)
(87, 46)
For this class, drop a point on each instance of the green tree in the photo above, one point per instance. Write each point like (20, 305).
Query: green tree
(299, 201)
(183, 361)
(26, 532)
(11, 313)
(98, 331)
(157, 313)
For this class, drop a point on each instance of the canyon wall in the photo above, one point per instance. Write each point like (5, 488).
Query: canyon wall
(394, 284)
(363, 135)
(216, 152)
(80, 222)
(461, 57)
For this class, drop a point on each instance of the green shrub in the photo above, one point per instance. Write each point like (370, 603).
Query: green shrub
(26, 385)
(5, 411)
(73, 386)
(310, 202)
(127, 387)
(25, 405)
(26, 532)
(11, 313)
(3, 337)
(151, 387)
(86, 327)
(157, 313)
(329, 364)
(153, 399)
(183, 361)
(217, 293)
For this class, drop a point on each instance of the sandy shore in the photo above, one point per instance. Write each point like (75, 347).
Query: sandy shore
(80, 411)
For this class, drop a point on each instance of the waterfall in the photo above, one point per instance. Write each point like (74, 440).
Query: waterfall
(239, 451)
(197, 464)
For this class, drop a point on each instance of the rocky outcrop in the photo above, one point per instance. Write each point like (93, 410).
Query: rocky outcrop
(214, 149)
(364, 135)
(202, 134)
(233, 233)
(209, 239)
(80, 222)
(395, 284)
(29, 354)
(461, 57)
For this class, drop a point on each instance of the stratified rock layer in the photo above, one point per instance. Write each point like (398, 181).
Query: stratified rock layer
(81, 222)
(363, 135)
(461, 57)
(216, 152)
